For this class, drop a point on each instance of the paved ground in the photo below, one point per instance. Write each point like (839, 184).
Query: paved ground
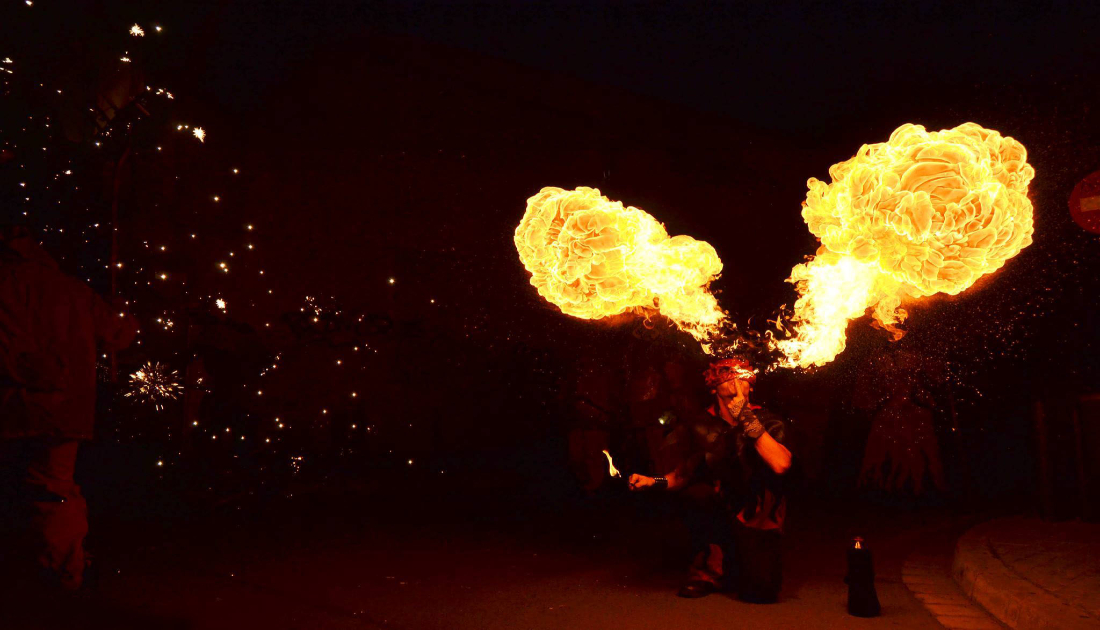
(927, 573)
(1032, 574)
(307, 567)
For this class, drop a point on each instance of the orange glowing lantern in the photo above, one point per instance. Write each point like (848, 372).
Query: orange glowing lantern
(1084, 203)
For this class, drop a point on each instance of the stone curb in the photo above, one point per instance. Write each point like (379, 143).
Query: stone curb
(927, 574)
(1007, 596)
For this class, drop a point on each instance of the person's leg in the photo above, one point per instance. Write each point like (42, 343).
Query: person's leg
(14, 511)
(703, 517)
(707, 565)
(60, 515)
(760, 564)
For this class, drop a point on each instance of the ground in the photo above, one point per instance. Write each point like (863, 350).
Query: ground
(335, 563)
(1033, 574)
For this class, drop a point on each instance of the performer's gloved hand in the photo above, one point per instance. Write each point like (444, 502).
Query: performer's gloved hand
(641, 482)
(739, 408)
(736, 406)
(750, 424)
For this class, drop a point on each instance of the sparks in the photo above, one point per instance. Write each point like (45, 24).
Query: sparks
(154, 384)
(137, 31)
(220, 303)
(199, 133)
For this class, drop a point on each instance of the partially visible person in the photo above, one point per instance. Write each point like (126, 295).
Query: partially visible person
(648, 409)
(687, 395)
(731, 474)
(902, 449)
(50, 323)
(593, 402)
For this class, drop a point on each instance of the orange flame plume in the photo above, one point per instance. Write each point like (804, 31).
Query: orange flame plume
(921, 214)
(614, 472)
(594, 258)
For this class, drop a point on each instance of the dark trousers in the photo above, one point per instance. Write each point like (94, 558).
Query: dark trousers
(713, 546)
(759, 563)
(729, 554)
(38, 493)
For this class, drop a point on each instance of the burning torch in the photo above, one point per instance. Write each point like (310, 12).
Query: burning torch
(659, 482)
(614, 472)
(862, 597)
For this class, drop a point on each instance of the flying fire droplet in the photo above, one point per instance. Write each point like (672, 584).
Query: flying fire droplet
(594, 258)
(614, 472)
(921, 214)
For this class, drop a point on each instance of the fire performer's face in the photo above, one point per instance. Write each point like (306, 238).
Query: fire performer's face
(734, 388)
(730, 378)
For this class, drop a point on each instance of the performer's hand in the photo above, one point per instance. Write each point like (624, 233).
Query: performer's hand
(744, 388)
(641, 482)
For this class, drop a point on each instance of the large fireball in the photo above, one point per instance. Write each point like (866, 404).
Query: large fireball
(594, 258)
(921, 214)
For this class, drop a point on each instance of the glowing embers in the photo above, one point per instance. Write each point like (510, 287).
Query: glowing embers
(922, 214)
(594, 258)
(154, 384)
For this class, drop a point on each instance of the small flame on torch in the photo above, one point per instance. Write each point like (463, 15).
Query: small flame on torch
(611, 466)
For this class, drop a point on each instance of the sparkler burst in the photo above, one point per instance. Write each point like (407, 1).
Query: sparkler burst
(594, 258)
(922, 214)
(199, 133)
(154, 384)
(137, 31)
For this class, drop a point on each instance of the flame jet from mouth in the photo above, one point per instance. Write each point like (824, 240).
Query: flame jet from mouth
(921, 214)
(594, 258)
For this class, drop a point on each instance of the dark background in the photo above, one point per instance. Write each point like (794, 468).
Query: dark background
(401, 140)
